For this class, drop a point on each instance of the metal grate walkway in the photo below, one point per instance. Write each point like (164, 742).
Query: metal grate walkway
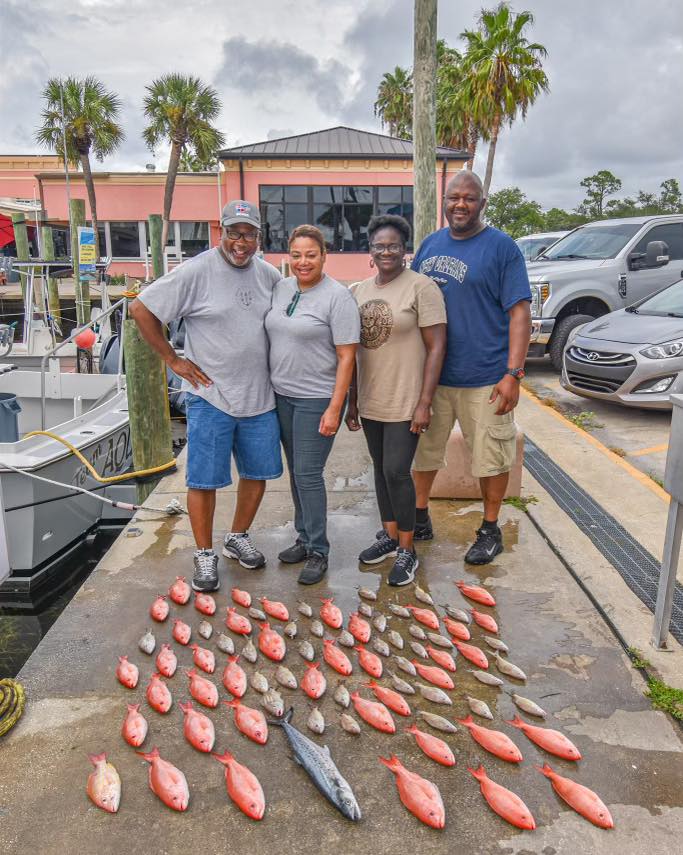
(638, 568)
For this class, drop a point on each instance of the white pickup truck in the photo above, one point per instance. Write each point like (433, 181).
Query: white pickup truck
(597, 268)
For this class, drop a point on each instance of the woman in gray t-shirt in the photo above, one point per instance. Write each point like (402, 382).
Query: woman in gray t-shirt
(314, 328)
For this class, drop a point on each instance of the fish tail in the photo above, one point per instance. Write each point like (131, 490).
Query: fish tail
(479, 774)
(545, 769)
(467, 720)
(233, 704)
(516, 722)
(97, 758)
(133, 707)
(233, 658)
(184, 707)
(392, 763)
(224, 758)
(123, 659)
(412, 729)
(153, 754)
(370, 684)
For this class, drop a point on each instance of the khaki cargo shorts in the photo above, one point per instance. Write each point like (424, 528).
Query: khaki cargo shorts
(491, 439)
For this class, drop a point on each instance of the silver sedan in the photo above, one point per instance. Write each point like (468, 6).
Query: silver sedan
(633, 356)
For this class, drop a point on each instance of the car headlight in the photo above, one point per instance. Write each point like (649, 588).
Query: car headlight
(540, 293)
(664, 351)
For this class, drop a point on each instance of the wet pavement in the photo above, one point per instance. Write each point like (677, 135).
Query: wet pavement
(632, 755)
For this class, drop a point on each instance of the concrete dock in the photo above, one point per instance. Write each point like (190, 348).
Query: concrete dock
(632, 754)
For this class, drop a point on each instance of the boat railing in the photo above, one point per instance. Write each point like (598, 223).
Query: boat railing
(119, 304)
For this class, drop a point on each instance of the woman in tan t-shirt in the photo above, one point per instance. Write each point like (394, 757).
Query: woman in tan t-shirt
(403, 342)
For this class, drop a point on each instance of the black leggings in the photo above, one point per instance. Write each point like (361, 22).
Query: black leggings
(392, 448)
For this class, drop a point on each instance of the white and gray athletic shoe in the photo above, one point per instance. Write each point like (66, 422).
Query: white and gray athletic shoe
(238, 545)
(403, 571)
(205, 571)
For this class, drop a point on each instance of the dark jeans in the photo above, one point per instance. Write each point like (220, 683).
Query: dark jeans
(392, 448)
(306, 451)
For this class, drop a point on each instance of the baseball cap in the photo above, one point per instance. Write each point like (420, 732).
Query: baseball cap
(239, 211)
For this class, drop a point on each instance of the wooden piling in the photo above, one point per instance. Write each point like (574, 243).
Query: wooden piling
(23, 251)
(148, 406)
(155, 223)
(52, 283)
(81, 286)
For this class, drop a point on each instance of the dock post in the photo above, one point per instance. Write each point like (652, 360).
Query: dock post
(52, 284)
(81, 286)
(155, 224)
(23, 251)
(148, 407)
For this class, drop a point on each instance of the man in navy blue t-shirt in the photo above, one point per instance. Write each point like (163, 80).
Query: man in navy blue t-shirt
(483, 278)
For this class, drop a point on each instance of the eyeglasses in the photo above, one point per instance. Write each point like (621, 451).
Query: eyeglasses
(249, 237)
(391, 248)
(289, 311)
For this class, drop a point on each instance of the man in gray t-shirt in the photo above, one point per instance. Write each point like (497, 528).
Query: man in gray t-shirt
(223, 295)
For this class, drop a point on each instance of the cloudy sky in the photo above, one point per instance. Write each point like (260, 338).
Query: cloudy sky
(284, 67)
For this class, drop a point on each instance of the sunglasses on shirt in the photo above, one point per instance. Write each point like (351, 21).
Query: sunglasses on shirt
(294, 302)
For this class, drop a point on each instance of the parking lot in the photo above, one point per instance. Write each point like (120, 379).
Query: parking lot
(640, 436)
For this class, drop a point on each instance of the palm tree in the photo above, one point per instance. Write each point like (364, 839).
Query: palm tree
(180, 110)
(394, 104)
(90, 125)
(503, 72)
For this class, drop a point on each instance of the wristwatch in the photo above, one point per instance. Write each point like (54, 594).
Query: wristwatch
(517, 373)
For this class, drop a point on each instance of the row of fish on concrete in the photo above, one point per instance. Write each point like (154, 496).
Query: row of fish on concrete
(419, 795)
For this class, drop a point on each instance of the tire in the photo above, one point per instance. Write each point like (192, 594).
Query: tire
(561, 334)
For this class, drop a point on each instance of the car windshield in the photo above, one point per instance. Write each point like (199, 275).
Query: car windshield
(532, 246)
(595, 242)
(667, 303)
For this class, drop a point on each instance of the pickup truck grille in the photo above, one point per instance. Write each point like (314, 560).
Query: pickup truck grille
(599, 357)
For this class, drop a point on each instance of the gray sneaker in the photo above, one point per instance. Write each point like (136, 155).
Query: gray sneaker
(293, 554)
(383, 547)
(239, 546)
(205, 571)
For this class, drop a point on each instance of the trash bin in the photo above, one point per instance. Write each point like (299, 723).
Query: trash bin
(9, 417)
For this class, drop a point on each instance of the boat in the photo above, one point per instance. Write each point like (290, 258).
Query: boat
(47, 506)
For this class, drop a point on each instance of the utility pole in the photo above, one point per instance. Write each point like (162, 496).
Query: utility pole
(424, 119)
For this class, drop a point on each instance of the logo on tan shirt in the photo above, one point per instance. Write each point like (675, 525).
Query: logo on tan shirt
(376, 320)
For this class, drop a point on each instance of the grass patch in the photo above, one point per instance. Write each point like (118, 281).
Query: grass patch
(637, 658)
(662, 696)
(586, 420)
(665, 697)
(658, 481)
(552, 403)
(616, 450)
(521, 502)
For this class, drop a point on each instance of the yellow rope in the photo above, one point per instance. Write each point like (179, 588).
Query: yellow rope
(112, 478)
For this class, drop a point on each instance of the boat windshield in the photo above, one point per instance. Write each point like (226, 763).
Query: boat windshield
(667, 303)
(596, 242)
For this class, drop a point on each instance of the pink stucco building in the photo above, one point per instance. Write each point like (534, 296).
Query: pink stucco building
(336, 178)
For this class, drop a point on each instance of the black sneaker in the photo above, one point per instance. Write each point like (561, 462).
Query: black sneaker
(240, 547)
(205, 571)
(422, 531)
(314, 569)
(488, 544)
(293, 554)
(403, 571)
(383, 547)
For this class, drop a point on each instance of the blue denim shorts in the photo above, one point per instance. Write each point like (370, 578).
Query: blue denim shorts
(213, 437)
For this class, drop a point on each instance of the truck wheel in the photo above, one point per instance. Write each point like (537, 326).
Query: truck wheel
(561, 334)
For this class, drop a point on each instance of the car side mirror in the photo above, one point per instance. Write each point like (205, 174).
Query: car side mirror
(656, 254)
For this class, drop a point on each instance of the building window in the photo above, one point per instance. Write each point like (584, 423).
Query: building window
(124, 240)
(194, 237)
(342, 213)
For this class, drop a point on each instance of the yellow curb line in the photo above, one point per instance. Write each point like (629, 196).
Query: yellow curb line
(644, 479)
(652, 450)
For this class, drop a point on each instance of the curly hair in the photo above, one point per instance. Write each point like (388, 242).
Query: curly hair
(392, 221)
(306, 231)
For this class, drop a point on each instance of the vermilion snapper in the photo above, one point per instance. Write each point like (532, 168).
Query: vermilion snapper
(313, 682)
(389, 697)
(205, 604)
(504, 802)
(271, 644)
(551, 740)
(234, 678)
(331, 614)
(493, 741)
(274, 609)
(179, 591)
(420, 796)
(134, 729)
(485, 622)
(202, 690)
(243, 787)
(476, 593)
(359, 628)
(434, 675)
(127, 673)
(158, 694)
(198, 728)
(425, 616)
(336, 658)
(580, 798)
(474, 654)
(250, 722)
(159, 609)
(432, 746)
(374, 713)
(237, 623)
(166, 782)
(181, 631)
(166, 661)
(369, 662)
(442, 658)
(203, 658)
(241, 598)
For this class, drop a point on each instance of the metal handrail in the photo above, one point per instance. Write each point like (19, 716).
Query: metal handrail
(43, 362)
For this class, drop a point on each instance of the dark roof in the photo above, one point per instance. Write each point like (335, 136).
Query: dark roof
(336, 142)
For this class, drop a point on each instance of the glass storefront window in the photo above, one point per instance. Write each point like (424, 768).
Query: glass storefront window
(125, 240)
